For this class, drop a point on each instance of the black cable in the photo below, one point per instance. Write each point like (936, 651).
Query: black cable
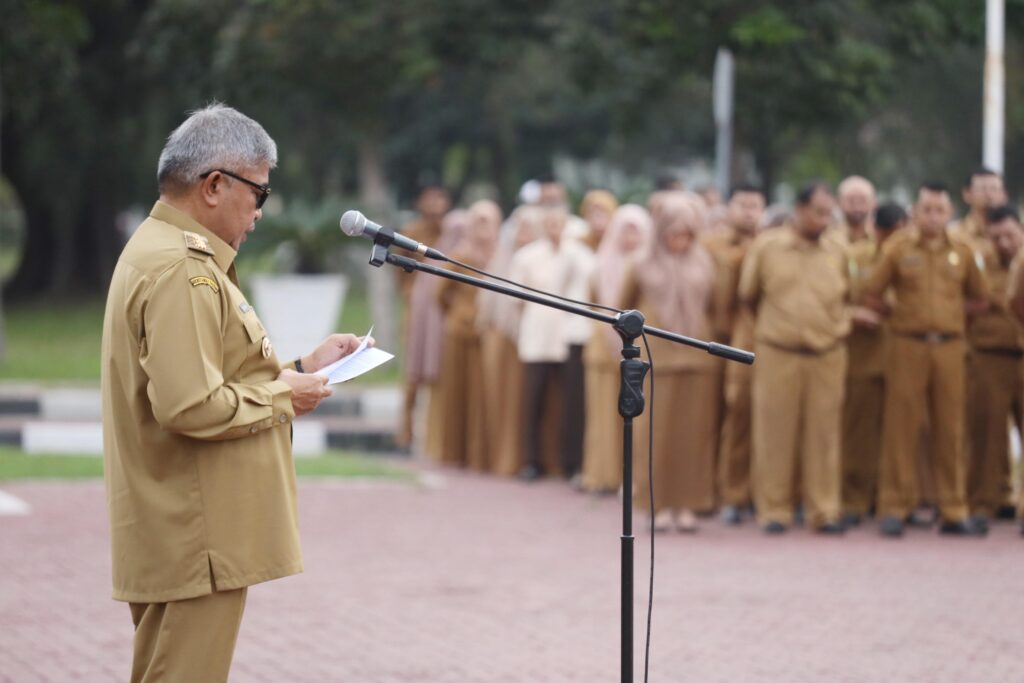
(531, 289)
(650, 487)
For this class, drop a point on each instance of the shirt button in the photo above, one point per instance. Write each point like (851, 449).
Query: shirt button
(284, 418)
(253, 429)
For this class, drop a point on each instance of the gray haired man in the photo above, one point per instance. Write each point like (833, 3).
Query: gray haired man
(197, 409)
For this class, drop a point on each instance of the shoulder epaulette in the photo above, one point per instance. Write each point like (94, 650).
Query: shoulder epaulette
(197, 242)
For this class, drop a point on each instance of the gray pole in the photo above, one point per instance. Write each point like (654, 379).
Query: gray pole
(723, 105)
(995, 86)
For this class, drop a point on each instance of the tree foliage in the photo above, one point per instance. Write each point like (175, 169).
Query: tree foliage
(375, 98)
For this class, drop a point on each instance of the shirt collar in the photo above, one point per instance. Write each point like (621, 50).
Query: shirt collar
(223, 254)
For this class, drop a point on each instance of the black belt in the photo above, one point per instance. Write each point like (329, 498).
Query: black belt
(932, 337)
(801, 350)
(1010, 353)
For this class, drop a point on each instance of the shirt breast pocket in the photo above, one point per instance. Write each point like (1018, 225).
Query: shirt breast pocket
(911, 271)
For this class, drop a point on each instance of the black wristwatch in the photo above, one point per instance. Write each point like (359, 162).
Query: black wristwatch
(298, 365)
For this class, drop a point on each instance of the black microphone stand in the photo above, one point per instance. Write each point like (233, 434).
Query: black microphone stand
(629, 325)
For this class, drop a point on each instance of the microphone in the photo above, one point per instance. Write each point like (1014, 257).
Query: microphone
(355, 224)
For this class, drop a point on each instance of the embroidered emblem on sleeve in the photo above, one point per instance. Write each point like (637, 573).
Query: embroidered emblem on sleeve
(203, 280)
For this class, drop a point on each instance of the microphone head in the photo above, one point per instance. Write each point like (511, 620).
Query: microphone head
(353, 223)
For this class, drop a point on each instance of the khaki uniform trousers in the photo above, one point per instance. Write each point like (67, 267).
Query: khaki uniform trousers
(994, 394)
(186, 641)
(920, 377)
(863, 408)
(734, 450)
(797, 411)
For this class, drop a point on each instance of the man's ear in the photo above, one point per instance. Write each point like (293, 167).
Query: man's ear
(211, 188)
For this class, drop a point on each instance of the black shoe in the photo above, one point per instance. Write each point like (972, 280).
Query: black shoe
(831, 529)
(979, 522)
(731, 515)
(964, 527)
(1006, 513)
(530, 473)
(851, 519)
(891, 526)
(774, 528)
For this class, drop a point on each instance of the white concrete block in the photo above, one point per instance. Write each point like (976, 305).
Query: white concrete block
(71, 404)
(381, 403)
(309, 438)
(12, 505)
(72, 438)
(86, 438)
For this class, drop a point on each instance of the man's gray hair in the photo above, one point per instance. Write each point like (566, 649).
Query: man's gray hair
(213, 137)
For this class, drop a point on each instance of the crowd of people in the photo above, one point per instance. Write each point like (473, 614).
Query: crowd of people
(888, 341)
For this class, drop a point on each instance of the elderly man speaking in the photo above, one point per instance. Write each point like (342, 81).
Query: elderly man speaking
(197, 409)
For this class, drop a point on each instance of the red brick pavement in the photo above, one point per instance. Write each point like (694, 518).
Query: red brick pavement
(495, 581)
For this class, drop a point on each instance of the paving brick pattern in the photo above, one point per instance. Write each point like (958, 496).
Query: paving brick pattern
(495, 581)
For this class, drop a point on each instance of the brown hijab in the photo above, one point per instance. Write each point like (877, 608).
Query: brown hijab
(679, 283)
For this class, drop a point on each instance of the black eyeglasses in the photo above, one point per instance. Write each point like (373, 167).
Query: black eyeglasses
(263, 190)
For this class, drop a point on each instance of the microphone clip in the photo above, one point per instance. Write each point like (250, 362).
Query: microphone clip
(379, 255)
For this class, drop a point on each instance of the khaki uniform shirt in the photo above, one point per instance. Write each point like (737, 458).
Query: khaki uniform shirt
(196, 429)
(866, 346)
(973, 232)
(799, 289)
(728, 248)
(996, 328)
(929, 283)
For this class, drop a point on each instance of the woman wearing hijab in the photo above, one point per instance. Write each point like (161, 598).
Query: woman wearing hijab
(673, 288)
(626, 242)
(597, 209)
(498, 323)
(456, 404)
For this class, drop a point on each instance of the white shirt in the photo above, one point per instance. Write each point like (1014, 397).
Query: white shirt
(546, 333)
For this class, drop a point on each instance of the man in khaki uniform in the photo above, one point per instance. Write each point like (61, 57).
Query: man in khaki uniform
(982, 190)
(197, 409)
(935, 279)
(996, 369)
(796, 281)
(856, 199)
(865, 375)
(734, 324)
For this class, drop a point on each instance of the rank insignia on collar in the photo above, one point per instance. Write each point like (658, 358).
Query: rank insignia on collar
(197, 242)
(244, 307)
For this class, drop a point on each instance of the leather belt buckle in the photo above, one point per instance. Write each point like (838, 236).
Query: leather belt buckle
(934, 337)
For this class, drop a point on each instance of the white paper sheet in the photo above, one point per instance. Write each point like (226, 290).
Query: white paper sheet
(359, 362)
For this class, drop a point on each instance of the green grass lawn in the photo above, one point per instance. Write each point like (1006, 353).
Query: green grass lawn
(15, 464)
(53, 342)
(60, 342)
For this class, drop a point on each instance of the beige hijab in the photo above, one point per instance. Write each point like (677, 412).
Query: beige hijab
(612, 261)
(496, 311)
(679, 284)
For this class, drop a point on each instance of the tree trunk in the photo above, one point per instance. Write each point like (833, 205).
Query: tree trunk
(380, 282)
